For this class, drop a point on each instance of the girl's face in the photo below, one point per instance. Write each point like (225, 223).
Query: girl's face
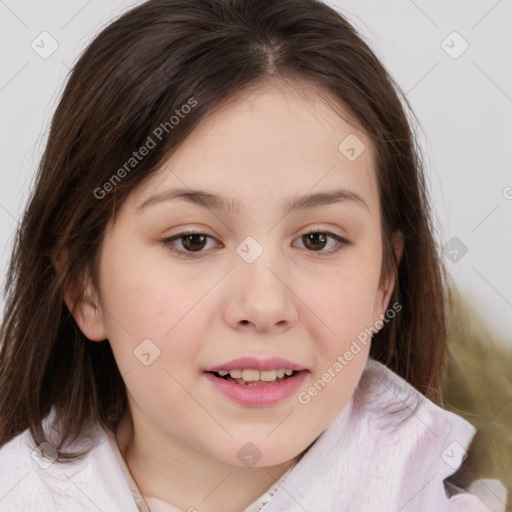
(255, 291)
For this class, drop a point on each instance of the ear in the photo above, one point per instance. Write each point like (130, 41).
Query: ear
(82, 301)
(387, 280)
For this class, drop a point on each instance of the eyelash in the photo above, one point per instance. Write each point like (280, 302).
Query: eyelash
(166, 242)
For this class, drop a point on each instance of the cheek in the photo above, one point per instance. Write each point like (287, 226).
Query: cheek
(156, 328)
(344, 301)
(345, 304)
(342, 339)
(147, 300)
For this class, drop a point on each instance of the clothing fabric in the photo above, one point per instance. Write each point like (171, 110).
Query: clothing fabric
(390, 449)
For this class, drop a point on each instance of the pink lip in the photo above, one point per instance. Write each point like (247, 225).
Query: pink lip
(258, 395)
(252, 363)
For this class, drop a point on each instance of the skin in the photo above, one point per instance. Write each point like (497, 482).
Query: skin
(180, 436)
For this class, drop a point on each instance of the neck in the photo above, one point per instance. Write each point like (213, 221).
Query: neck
(188, 479)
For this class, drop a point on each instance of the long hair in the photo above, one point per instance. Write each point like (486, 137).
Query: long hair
(135, 75)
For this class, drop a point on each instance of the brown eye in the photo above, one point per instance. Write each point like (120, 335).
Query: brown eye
(318, 241)
(315, 241)
(187, 244)
(194, 242)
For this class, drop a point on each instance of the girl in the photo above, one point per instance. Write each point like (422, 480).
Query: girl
(225, 293)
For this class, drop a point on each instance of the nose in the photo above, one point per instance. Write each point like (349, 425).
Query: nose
(260, 296)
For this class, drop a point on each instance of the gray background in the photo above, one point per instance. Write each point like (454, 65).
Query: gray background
(462, 100)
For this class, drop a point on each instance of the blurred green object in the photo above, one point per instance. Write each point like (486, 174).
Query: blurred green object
(478, 387)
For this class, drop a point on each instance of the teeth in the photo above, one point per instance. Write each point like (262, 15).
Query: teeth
(250, 375)
(268, 375)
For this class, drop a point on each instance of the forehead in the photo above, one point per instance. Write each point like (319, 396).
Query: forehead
(288, 114)
(276, 140)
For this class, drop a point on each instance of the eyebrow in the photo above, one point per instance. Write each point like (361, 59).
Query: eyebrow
(219, 202)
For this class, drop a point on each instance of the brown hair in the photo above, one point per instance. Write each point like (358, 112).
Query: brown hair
(132, 78)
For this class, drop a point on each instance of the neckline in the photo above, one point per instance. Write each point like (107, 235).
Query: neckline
(141, 499)
(142, 506)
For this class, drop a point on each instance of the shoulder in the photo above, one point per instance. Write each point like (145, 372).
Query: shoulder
(429, 444)
(32, 480)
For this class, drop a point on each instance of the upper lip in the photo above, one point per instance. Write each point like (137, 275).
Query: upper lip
(252, 363)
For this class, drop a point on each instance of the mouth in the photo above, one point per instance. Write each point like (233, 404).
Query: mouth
(254, 382)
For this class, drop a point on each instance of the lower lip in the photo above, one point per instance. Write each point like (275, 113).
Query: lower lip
(259, 395)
